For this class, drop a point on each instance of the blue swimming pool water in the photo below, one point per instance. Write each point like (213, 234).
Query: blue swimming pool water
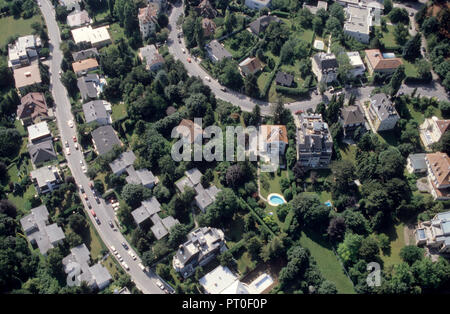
(276, 200)
(328, 204)
(388, 55)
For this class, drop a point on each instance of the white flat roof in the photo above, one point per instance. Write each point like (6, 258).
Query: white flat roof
(38, 130)
(218, 280)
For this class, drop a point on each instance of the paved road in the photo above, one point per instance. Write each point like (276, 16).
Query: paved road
(246, 103)
(145, 282)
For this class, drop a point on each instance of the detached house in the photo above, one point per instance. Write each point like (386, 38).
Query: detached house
(358, 67)
(42, 152)
(273, 137)
(97, 111)
(381, 63)
(250, 66)
(438, 166)
(27, 76)
(260, 24)
(46, 179)
(284, 79)
(382, 113)
(148, 18)
(83, 66)
(32, 109)
(432, 129)
(415, 163)
(104, 139)
(78, 19)
(23, 51)
(257, 4)
(202, 246)
(38, 132)
(358, 23)
(435, 233)
(150, 55)
(97, 37)
(216, 51)
(324, 66)
(351, 118)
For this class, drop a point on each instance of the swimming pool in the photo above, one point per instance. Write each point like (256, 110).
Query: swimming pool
(328, 204)
(388, 55)
(276, 199)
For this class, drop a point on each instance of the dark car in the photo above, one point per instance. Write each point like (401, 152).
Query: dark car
(111, 224)
(125, 246)
(97, 199)
(97, 220)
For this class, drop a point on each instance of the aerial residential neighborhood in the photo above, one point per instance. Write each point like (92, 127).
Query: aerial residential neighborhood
(202, 147)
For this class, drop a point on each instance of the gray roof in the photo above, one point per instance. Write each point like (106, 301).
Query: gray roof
(182, 183)
(169, 222)
(87, 86)
(158, 230)
(205, 197)
(54, 233)
(42, 152)
(418, 161)
(36, 219)
(85, 54)
(140, 215)
(326, 61)
(105, 138)
(261, 23)
(125, 160)
(140, 176)
(94, 110)
(151, 55)
(284, 79)
(101, 275)
(383, 106)
(148, 209)
(152, 205)
(194, 175)
(217, 50)
(352, 115)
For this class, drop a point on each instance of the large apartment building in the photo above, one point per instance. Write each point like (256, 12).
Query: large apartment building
(324, 66)
(202, 246)
(314, 142)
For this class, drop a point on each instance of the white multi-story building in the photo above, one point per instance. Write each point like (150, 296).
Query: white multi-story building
(21, 52)
(148, 18)
(432, 129)
(324, 66)
(435, 233)
(382, 113)
(358, 23)
(358, 67)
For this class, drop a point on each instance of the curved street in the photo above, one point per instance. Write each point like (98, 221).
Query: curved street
(247, 103)
(146, 282)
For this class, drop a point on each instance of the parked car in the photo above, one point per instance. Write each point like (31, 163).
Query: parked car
(120, 258)
(97, 199)
(182, 49)
(68, 151)
(133, 256)
(223, 89)
(159, 284)
(111, 224)
(125, 265)
(125, 246)
(85, 196)
(70, 123)
(188, 60)
(91, 185)
(207, 78)
(89, 204)
(81, 188)
(83, 168)
(142, 267)
(76, 146)
(66, 143)
(74, 138)
(113, 249)
(97, 220)
(93, 213)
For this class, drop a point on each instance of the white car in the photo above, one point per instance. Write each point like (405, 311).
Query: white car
(159, 284)
(83, 168)
(133, 256)
(125, 265)
(76, 146)
(120, 258)
(66, 143)
(68, 151)
(70, 123)
(142, 267)
(182, 49)
(207, 78)
(113, 249)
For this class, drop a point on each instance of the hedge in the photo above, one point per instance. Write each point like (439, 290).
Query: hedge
(269, 81)
(280, 14)
(301, 91)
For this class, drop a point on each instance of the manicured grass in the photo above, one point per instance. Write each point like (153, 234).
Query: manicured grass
(111, 264)
(410, 69)
(20, 201)
(397, 237)
(116, 32)
(307, 35)
(348, 152)
(119, 111)
(274, 182)
(388, 38)
(20, 27)
(327, 262)
(419, 117)
(245, 263)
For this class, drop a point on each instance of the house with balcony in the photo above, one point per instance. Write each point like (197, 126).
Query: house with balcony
(432, 129)
(438, 175)
(202, 246)
(314, 141)
(23, 51)
(382, 113)
(324, 66)
(435, 233)
(46, 179)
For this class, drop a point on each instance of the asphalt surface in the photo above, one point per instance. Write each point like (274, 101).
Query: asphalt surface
(146, 282)
(247, 103)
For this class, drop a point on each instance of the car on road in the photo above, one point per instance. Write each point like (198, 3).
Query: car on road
(93, 213)
(133, 256)
(85, 196)
(74, 138)
(179, 41)
(159, 284)
(207, 78)
(97, 220)
(120, 258)
(89, 204)
(70, 123)
(67, 150)
(113, 249)
(97, 199)
(411, 14)
(189, 60)
(142, 267)
(60, 72)
(111, 224)
(182, 49)
(91, 185)
(125, 246)
(76, 146)
(125, 265)
(66, 143)
(81, 188)
(223, 89)
(83, 168)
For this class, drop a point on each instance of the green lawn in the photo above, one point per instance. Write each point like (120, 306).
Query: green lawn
(116, 32)
(274, 182)
(119, 111)
(20, 27)
(388, 38)
(327, 262)
(410, 69)
(348, 152)
(419, 117)
(397, 237)
(245, 263)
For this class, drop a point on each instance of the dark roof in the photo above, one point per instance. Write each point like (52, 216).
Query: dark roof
(42, 152)
(352, 115)
(105, 138)
(284, 79)
(325, 61)
(260, 24)
(32, 105)
(86, 85)
(85, 54)
(217, 50)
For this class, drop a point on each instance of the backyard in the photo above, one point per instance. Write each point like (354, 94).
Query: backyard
(9, 25)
